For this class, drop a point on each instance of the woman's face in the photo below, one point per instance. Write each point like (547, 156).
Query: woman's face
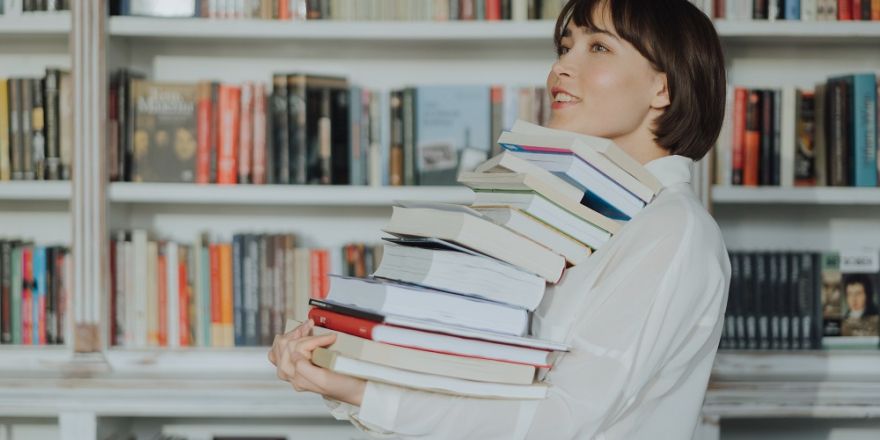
(856, 296)
(601, 85)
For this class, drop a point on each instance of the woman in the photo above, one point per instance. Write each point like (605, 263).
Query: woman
(644, 314)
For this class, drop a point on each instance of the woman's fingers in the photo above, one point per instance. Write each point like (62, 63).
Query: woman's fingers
(305, 346)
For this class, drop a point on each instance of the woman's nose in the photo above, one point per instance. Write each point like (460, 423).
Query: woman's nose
(560, 68)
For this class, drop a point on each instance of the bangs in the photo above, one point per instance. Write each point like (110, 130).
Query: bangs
(623, 16)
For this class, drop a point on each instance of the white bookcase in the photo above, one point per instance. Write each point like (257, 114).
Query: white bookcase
(200, 392)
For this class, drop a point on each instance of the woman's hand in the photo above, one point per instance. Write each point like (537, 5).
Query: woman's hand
(291, 354)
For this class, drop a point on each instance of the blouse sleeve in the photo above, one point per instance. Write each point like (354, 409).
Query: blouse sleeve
(638, 313)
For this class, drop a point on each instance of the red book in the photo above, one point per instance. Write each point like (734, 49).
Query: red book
(844, 10)
(203, 133)
(493, 10)
(739, 134)
(183, 302)
(27, 298)
(230, 107)
(752, 154)
(718, 9)
(246, 132)
(857, 9)
(258, 167)
(162, 270)
(284, 10)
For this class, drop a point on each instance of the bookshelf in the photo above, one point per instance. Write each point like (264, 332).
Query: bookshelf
(175, 386)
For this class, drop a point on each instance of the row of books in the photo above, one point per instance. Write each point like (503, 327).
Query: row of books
(308, 129)
(215, 293)
(34, 288)
(804, 10)
(803, 300)
(452, 272)
(349, 10)
(788, 136)
(36, 127)
(16, 7)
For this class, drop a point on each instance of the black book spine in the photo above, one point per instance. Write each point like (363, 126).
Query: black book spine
(784, 296)
(280, 134)
(866, 10)
(53, 113)
(27, 108)
(836, 132)
(237, 291)
(815, 274)
(340, 138)
(773, 294)
(766, 163)
(343, 310)
(849, 116)
(506, 9)
(13, 102)
(759, 9)
(762, 302)
(123, 158)
(271, 149)
(5, 292)
(733, 302)
(749, 327)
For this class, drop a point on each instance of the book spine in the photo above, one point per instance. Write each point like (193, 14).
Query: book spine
(238, 287)
(280, 140)
(246, 132)
(290, 304)
(752, 153)
(396, 156)
(342, 323)
(52, 98)
(805, 138)
(162, 288)
(38, 124)
(767, 165)
(252, 290)
(27, 135)
(493, 10)
(113, 131)
(39, 295)
(844, 10)
(230, 108)
(267, 289)
(301, 150)
(205, 291)
(739, 135)
(187, 301)
(792, 9)
(875, 10)
(779, 169)
(856, 8)
(315, 274)
(836, 133)
(356, 176)
(15, 129)
(226, 298)
(411, 170)
(126, 124)
(216, 297)
(278, 284)
(322, 173)
(15, 292)
(64, 268)
(203, 133)
(27, 300)
(5, 291)
(5, 165)
(260, 130)
(864, 129)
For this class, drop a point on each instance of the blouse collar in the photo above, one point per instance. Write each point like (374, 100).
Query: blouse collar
(671, 170)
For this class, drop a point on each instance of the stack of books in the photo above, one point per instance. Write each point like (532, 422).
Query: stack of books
(448, 308)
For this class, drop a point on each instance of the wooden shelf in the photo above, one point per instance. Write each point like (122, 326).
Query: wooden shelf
(31, 24)
(795, 196)
(35, 190)
(282, 195)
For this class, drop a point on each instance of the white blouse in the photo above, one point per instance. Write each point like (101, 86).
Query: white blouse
(643, 316)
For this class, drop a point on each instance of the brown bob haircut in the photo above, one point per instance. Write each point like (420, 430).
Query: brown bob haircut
(680, 41)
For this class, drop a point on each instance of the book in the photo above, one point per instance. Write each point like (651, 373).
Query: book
(461, 273)
(421, 361)
(606, 147)
(5, 165)
(547, 211)
(466, 227)
(430, 341)
(438, 327)
(164, 137)
(334, 361)
(381, 296)
(533, 228)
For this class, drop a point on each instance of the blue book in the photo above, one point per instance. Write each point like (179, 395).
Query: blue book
(39, 291)
(451, 131)
(792, 9)
(864, 129)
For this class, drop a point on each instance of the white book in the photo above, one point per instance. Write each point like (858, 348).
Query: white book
(461, 273)
(548, 212)
(152, 294)
(533, 228)
(606, 147)
(808, 10)
(172, 290)
(333, 361)
(386, 297)
(140, 286)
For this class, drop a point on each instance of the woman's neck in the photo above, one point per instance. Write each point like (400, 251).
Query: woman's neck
(641, 146)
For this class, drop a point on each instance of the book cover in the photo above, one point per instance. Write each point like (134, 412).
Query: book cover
(52, 126)
(164, 138)
(5, 165)
(246, 133)
(805, 135)
(863, 119)
(452, 131)
(226, 300)
(228, 133)
(860, 281)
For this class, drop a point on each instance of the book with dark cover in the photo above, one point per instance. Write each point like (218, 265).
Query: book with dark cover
(53, 114)
(238, 290)
(784, 297)
(282, 143)
(318, 128)
(760, 9)
(773, 294)
(805, 147)
(768, 166)
(164, 138)
(27, 127)
(734, 308)
(5, 292)
(749, 290)
(762, 300)
(267, 289)
(16, 144)
(340, 162)
(408, 128)
(837, 132)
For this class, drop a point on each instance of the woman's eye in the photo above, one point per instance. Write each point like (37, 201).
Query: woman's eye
(596, 47)
(563, 50)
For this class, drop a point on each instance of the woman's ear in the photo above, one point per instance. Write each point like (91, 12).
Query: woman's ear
(661, 92)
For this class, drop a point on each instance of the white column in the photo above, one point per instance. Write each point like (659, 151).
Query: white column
(88, 40)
